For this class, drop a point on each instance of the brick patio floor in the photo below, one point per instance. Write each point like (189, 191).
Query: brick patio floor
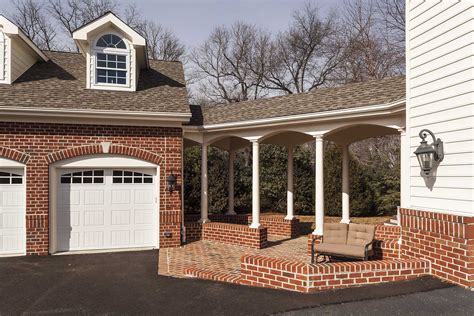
(224, 260)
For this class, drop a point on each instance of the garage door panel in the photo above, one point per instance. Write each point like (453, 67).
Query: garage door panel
(120, 238)
(94, 218)
(144, 196)
(121, 197)
(93, 197)
(121, 217)
(118, 212)
(68, 197)
(12, 211)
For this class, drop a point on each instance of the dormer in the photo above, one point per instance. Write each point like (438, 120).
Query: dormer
(114, 52)
(17, 52)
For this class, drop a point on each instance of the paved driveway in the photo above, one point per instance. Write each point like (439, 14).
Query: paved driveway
(125, 283)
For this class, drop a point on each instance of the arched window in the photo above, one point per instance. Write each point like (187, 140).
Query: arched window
(112, 59)
(2, 56)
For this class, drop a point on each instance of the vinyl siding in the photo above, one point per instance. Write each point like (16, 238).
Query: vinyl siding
(3, 57)
(22, 58)
(440, 88)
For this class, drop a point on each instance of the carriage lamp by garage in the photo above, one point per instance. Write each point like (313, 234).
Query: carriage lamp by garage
(428, 154)
(171, 183)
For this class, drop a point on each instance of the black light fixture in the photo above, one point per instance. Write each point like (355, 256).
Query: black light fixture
(171, 183)
(428, 154)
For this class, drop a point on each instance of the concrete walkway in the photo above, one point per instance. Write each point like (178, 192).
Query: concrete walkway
(127, 283)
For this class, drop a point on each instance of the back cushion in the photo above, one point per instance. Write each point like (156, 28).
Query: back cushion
(360, 235)
(335, 233)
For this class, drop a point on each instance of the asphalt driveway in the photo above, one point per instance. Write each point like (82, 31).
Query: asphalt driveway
(126, 283)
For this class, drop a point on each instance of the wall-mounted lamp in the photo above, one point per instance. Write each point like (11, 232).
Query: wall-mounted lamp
(171, 183)
(428, 154)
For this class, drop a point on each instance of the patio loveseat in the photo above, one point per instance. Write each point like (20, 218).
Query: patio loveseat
(345, 241)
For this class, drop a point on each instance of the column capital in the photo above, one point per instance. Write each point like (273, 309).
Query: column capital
(402, 130)
(318, 137)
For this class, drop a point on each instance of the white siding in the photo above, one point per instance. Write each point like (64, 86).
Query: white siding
(22, 58)
(3, 58)
(440, 93)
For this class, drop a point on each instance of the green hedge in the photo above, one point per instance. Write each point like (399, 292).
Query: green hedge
(374, 190)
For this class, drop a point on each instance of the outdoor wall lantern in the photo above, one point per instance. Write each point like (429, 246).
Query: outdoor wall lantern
(171, 183)
(428, 154)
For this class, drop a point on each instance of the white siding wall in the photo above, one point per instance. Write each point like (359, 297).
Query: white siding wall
(3, 58)
(22, 58)
(440, 93)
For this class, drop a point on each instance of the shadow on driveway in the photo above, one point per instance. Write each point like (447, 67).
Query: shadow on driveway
(127, 282)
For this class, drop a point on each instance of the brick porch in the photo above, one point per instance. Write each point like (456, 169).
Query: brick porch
(284, 264)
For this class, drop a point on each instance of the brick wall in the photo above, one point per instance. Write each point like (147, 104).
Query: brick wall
(235, 234)
(303, 277)
(41, 144)
(447, 241)
(276, 225)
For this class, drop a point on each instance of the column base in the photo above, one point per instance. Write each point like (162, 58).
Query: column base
(231, 213)
(204, 220)
(255, 225)
(317, 233)
(289, 217)
(345, 221)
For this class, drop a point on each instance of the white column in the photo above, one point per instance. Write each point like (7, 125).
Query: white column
(290, 186)
(319, 213)
(345, 185)
(231, 210)
(255, 186)
(204, 203)
(404, 168)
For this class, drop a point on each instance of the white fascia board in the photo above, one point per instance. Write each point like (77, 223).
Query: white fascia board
(82, 33)
(96, 114)
(390, 108)
(12, 30)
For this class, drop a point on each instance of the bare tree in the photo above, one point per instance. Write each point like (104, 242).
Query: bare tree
(369, 51)
(222, 64)
(72, 14)
(30, 16)
(303, 57)
(162, 43)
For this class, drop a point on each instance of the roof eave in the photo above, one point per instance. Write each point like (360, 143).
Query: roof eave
(392, 107)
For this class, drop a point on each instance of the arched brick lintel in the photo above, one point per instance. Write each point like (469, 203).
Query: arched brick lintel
(95, 149)
(15, 155)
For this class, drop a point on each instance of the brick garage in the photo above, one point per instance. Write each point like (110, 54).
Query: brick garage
(446, 241)
(39, 144)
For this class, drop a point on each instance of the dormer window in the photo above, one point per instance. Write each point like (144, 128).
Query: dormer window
(111, 61)
(2, 56)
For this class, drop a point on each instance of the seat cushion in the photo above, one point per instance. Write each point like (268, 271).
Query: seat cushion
(342, 250)
(335, 233)
(360, 235)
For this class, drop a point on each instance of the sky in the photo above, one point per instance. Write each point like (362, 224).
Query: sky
(193, 20)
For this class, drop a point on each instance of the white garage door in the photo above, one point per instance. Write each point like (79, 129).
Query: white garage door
(106, 209)
(12, 212)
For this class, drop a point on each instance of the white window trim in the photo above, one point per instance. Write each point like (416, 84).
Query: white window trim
(115, 51)
(2, 55)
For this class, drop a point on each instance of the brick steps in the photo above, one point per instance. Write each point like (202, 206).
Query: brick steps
(204, 274)
(304, 277)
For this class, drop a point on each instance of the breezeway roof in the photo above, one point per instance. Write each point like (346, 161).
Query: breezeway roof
(376, 92)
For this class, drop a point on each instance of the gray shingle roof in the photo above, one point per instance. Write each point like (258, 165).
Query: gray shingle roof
(368, 93)
(60, 83)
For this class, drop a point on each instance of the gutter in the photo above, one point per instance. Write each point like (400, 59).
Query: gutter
(96, 114)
